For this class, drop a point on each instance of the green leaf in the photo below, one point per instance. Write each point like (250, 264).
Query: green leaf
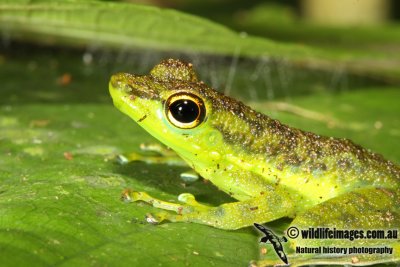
(60, 189)
(59, 185)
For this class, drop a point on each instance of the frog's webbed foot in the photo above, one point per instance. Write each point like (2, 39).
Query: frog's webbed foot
(226, 216)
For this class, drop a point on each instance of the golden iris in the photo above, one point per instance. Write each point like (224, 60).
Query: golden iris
(184, 110)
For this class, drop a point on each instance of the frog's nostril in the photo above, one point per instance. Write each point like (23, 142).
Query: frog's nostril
(116, 81)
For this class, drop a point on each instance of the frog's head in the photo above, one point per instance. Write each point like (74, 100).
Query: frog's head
(171, 104)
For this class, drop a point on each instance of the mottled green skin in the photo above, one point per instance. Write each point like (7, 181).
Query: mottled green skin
(272, 169)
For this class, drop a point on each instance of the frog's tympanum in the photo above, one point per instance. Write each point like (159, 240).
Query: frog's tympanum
(271, 169)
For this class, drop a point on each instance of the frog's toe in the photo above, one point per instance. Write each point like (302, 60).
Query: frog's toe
(129, 195)
(126, 158)
(187, 198)
(126, 195)
(190, 200)
(158, 217)
(122, 159)
(151, 219)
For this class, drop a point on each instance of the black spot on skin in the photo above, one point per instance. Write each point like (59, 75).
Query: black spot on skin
(291, 146)
(142, 118)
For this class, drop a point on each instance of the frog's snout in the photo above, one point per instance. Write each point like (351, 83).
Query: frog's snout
(118, 82)
(133, 85)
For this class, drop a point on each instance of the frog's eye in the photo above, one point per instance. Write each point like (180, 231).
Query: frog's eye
(184, 110)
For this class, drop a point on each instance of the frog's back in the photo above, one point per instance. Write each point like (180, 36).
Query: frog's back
(287, 148)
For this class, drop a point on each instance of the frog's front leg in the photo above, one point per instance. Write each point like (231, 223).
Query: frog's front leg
(186, 198)
(228, 216)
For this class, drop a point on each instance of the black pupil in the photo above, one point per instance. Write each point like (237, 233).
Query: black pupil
(184, 111)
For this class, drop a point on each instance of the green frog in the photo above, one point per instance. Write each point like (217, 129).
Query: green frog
(271, 169)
